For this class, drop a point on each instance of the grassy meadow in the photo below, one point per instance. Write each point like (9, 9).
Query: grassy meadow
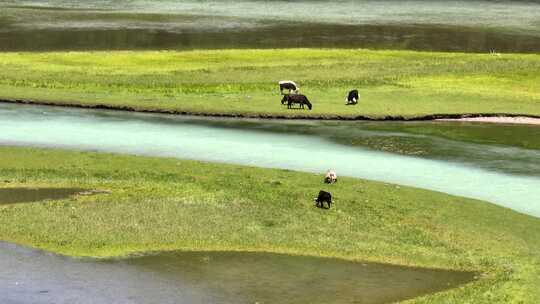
(397, 83)
(169, 204)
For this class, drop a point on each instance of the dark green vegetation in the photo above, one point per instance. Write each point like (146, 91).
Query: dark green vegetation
(169, 204)
(397, 83)
(520, 136)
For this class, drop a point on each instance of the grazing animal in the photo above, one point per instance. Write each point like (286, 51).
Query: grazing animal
(324, 197)
(330, 177)
(353, 97)
(296, 98)
(289, 85)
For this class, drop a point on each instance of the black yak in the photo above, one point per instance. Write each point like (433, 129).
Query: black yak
(296, 98)
(324, 197)
(353, 97)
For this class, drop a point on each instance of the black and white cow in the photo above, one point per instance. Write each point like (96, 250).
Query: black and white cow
(288, 85)
(330, 177)
(324, 197)
(353, 97)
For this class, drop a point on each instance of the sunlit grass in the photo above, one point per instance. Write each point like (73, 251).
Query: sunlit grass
(245, 81)
(170, 204)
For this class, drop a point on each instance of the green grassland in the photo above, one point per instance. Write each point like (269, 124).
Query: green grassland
(397, 83)
(168, 204)
(522, 136)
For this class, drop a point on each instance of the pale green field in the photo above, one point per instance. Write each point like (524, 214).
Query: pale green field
(245, 81)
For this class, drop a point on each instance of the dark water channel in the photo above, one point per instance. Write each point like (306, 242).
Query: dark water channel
(30, 276)
(472, 26)
(28, 195)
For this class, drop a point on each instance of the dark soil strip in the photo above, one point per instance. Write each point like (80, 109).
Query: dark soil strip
(270, 116)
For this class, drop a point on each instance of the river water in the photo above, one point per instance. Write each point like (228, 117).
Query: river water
(214, 140)
(473, 26)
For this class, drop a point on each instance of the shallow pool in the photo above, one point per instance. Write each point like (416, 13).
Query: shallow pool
(29, 195)
(31, 276)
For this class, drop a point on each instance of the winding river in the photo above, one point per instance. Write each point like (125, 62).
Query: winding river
(215, 140)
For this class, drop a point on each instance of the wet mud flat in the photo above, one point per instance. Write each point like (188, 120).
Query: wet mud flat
(29, 195)
(31, 276)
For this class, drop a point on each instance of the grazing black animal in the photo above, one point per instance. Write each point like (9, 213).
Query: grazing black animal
(300, 99)
(353, 97)
(289, 85)
(324, 197)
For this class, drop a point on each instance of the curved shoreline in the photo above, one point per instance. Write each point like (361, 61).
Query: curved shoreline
(112, 280)
(452, 117)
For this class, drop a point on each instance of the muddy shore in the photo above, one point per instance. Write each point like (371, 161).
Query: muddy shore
(469, 117)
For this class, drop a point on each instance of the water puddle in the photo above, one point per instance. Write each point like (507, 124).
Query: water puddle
(273, 278)
(212, 277)
(28, 195)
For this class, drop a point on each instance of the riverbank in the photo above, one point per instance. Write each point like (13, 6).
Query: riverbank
(160, 204)
(243, 83)
(503, 118)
